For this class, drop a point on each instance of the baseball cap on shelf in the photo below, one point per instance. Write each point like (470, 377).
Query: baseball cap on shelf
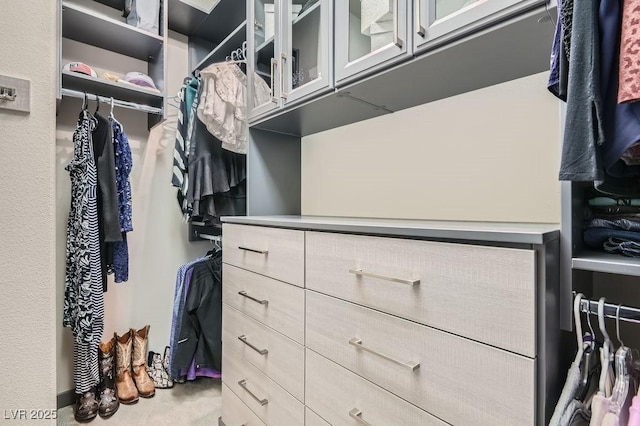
(139, 79)
(81, 68)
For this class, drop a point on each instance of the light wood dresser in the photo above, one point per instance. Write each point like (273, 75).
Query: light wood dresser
(336, 321)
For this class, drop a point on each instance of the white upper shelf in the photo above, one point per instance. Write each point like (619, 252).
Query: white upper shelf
(87, 26)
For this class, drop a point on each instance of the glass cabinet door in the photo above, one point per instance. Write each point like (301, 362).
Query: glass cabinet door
(264, 67)
(369, 33)
(437, 21)
(306, 58)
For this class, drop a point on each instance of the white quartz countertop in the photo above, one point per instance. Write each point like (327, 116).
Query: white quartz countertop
(503, 232)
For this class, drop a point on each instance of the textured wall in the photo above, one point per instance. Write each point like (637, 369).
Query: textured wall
(487, 155)
(27, 226)
(158, 243)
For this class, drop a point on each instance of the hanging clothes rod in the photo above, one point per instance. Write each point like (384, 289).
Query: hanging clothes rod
(116, 102)
(627, 314)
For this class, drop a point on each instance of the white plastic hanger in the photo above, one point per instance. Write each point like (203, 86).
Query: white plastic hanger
(578, 324)
(622, 360)
(606, 378)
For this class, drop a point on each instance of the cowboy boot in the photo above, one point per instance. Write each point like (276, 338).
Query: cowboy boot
(127, 392)
(157, 372)
(108, 396)
(145, 386)
(86, 408)
(165, 365)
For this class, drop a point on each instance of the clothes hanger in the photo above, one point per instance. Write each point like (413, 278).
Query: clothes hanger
(589, 357)
(607, 352)
(623, 360)
(174, 98)
(578, 324)
(85, 102)
(111, 111)
(216, 242)
(97, 105)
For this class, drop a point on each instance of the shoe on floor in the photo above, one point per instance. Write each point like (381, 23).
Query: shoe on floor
(146, 388)
(86, 408)
(127, 392)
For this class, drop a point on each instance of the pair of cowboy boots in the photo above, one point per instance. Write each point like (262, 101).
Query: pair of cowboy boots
(123, 376)
(132, 380)
(102, 400)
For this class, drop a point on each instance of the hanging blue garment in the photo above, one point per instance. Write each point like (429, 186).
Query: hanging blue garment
(124, 164)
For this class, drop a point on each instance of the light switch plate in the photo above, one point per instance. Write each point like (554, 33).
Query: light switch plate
(22, 91)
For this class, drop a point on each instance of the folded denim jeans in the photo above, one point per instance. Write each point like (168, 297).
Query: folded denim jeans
(621, 246)
(596, 237)
(625, 224)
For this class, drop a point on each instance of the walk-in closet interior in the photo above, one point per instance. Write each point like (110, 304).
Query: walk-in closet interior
(322, 212)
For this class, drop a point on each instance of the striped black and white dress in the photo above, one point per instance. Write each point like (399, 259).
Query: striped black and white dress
(84, 299)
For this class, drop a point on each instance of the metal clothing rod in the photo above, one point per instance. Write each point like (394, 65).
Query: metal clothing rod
(116, 102)
(627, 314)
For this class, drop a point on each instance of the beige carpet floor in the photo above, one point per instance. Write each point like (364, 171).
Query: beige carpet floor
(192, 403)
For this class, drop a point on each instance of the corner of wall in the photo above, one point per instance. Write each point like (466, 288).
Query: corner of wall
(28, 36)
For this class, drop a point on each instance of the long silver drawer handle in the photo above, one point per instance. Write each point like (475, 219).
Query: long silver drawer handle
(384, 277)
(357, 414)
(244, 294)
(419, 28)
(243, 385)
(243, 339)
(396, 38)
(413, 366)
(253, 250)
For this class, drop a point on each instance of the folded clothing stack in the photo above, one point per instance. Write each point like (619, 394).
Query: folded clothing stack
(613, 225)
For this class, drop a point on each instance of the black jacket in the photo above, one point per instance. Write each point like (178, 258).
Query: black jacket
(201, 331)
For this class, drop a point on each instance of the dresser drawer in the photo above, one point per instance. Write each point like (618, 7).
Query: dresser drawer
(235, 412)
(276, 253)
(338, 394)
(273, 303)
(274, 354)
(268, 400)
(312, 419)
(480, 292)
(457, 380)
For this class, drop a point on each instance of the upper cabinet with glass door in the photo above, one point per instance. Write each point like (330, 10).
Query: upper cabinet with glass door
(291, 50)
(370, 34)
(263, 44)
(440, 21)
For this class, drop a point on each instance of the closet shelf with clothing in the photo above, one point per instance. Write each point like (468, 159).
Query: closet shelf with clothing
(101, 87)
(141, 36)
(87, 26)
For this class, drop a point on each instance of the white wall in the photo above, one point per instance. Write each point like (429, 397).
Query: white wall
(158, 243)
(27, 227)
(487, 155)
